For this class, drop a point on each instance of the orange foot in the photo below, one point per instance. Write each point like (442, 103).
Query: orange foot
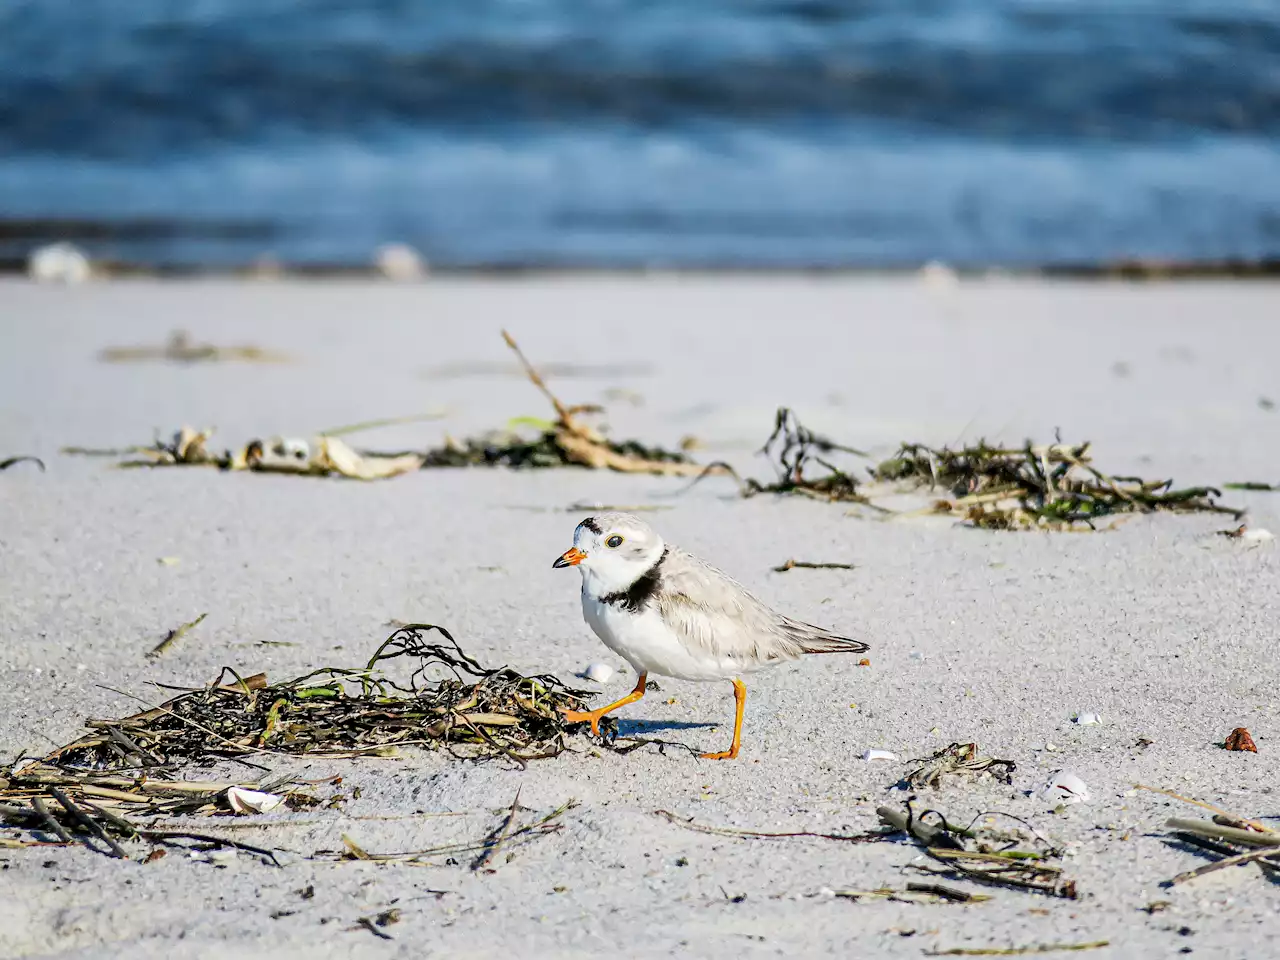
(731, 754)
(578, 716)
(593, 716)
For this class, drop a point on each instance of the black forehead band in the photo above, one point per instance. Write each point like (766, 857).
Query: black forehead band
(590, 524)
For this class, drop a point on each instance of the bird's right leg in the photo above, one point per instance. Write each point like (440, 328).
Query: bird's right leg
(593, 716)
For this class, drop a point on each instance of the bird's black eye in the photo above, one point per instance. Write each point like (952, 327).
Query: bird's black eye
(614, 541)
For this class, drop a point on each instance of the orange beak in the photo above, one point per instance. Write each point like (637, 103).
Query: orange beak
(570, 558)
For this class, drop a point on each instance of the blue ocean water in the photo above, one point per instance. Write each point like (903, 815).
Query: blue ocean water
(643, 132)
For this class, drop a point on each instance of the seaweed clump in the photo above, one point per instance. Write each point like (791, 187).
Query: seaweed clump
(567, 441)
(1054, 486)
(474, 712)
(799, 458)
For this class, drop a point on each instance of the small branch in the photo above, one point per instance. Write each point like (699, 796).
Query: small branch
(176, 635)
(498, 837)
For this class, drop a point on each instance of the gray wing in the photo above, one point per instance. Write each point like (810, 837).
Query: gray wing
(710, 610)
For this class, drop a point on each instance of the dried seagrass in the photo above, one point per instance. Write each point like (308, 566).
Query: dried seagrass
(1050, 487)
(473, 712)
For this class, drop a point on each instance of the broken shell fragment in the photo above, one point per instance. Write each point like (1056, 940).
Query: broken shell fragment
(252, 801)
(879, 755)
(598, 672)
(1087, 719)
(1239, 739)
(1064, 788)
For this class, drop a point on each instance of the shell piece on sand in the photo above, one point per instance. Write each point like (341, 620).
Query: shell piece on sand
(399, 261)
(1065, 788)
(1087, 719)
(599, 672)
(879, 755)
(59, 263)
(252, 801)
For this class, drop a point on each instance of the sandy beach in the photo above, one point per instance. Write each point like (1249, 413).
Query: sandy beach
(1160, 626)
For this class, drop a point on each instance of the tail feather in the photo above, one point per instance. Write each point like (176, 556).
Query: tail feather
(816, 640)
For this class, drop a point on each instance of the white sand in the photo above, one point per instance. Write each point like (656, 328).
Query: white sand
(1165, 630)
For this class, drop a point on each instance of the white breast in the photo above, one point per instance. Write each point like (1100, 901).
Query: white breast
(650, 646)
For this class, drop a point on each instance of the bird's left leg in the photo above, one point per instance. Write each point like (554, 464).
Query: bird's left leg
(577, 716)
(740, 701)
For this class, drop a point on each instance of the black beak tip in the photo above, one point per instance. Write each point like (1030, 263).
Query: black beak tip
(560, 562)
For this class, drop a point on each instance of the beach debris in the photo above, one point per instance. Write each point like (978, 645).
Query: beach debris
(879, 755)
(324, 456)
(799, 460)
(180, 348)
(473, 711)
(399, 261)
(806, 565)
(507, 835)
(243, 800)
(1252, 485)
(59, 263)
(597, 672)
(1020, 859)
(914, 893)
(1017, 951)
(1239, 739)
(1035, 487)
(1247, 534)
(958, 759)
(92, 808)
(1032, 487)
(1237, 840)
(689, 824)
(13, 461)
(1087, 719)
(175, 635)
(567, 441)
(1064, 788)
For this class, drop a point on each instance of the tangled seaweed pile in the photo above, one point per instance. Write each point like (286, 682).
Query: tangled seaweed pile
(795, 451)
(1054, 486)
(336, 712)
(1002, 858)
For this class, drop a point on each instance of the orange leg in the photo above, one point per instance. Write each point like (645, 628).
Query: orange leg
(577, 716)
(740, 700)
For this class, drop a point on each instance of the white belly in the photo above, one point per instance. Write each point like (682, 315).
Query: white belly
(650, 646)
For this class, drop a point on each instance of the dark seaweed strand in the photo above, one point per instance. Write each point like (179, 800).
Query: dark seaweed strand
(641, 591)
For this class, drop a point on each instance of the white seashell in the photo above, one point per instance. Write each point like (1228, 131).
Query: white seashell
(1087, 719)
(598, 672)
(59, 263)
(252, 801)
(1257, 535)
(399, 261)
(1064, 788)
(879, 755)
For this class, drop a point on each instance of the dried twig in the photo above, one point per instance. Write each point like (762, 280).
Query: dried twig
(1015, 951)
(805, 565)
(6, 464)
(175, 635)
(688, 824)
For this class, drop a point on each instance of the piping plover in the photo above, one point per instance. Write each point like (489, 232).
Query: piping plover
(665, 611)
